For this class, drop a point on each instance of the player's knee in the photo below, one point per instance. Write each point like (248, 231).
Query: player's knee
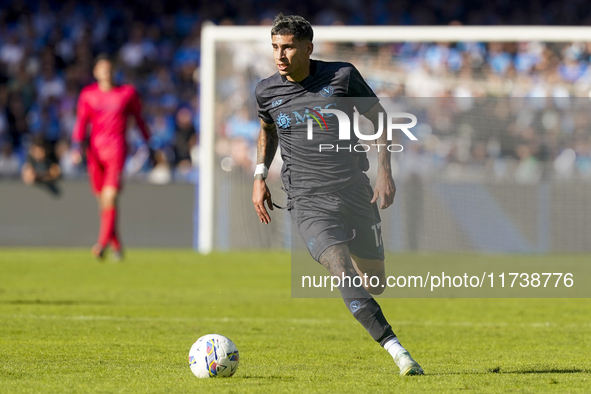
(107, 202)
(108, 198)
(373, 273)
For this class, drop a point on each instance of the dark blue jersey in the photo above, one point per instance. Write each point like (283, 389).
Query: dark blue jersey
(289, 105)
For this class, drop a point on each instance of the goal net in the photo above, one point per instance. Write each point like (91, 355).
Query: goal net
(503, 158)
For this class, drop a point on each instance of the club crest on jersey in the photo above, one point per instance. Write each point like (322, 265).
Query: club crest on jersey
(327, 91)
(283, 120)
(355, 305)
(276, 103)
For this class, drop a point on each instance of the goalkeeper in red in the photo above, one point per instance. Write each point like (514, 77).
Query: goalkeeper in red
(330, 199)
(106, 108)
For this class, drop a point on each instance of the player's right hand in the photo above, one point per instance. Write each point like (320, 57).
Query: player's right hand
(76, 156)
(260, 194)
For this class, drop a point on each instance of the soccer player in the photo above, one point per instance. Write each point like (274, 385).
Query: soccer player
(337, 216)
(106, 107)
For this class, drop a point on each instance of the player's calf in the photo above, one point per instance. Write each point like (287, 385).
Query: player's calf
(365, 309)
(359, 301)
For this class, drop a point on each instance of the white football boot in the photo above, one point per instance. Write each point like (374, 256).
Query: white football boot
(408, 366)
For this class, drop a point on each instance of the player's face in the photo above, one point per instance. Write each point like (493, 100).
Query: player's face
(103, 71)
(292, 56)
(38, 153)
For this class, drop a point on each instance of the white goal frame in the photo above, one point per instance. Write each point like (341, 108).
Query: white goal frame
(212, 34)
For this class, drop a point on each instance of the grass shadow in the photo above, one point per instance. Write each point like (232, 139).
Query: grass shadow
(498, 370)
(533, 371)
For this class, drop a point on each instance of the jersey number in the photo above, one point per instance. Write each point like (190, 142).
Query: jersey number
(377, 231)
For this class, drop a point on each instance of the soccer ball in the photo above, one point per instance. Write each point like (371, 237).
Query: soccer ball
(213, 356)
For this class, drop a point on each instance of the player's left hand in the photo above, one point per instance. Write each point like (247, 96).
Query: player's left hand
(76, 156)
(385, 189)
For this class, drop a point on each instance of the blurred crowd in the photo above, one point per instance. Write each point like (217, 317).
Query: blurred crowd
(555, 76)
(505, 111)
(475, 139)
(47, 49)
(46, 57)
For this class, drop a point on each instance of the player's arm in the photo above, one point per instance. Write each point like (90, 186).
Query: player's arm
(266, 148)
(385, 188)
(80, 128)
(54, 172)
(28, 174)
(135, 107)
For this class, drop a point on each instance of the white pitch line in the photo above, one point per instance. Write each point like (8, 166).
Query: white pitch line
(288, 320)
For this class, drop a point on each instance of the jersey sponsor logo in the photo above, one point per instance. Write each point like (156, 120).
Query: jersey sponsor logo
(355, 305)
(311, 243)
(316, 119)
(283, 120)
(327, 91)
(276, 103)
(306, 116)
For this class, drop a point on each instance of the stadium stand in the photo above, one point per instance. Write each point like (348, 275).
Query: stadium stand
(47, 48)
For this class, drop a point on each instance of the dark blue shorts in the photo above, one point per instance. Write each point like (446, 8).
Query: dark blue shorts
(324, 220)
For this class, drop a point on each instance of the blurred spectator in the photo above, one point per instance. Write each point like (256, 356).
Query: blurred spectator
(528, 169)
(498, 59)
(161, 173)
(41, 169)
(12, 53)
(50, 85)
(16, 119)
(44, 123)
(23, 85)
(160, 82)
(185, 140)
(9, 161)
(582, 150)
(570, 69)
(66, 161)
(138, 51)
(528, 56)
(241, 125)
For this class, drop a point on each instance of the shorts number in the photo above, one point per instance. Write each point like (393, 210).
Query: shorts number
(377, 230)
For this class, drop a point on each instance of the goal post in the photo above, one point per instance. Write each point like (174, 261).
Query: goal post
(212, 36)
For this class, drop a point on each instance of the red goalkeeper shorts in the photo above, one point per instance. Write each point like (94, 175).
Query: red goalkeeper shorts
(105, 171)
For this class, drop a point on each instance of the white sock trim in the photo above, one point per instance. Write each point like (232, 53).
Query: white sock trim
(393, 346)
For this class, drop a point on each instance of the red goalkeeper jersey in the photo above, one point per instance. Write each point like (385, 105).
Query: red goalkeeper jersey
(107, 113)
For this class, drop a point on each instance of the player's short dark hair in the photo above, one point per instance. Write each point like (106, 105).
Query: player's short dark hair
(102, 56)
(292, 25)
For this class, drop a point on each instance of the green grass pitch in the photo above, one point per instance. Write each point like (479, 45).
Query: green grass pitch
(71, 325)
